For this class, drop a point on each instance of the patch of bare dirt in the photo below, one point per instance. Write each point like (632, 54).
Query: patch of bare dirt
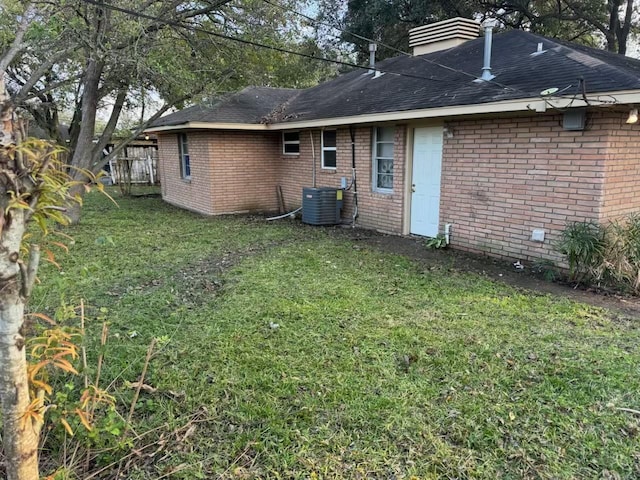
(200, 281)
(495, 269)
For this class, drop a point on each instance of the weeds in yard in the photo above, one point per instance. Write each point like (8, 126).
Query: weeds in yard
(379, 368)
(77, 416)
(437, 242)
(548, 269)
(604, 254)
(621, 264)
(583, 244)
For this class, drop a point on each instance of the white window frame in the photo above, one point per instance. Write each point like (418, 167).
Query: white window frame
(375, 157)
(185, 158)
(329, 149)
(290, 142)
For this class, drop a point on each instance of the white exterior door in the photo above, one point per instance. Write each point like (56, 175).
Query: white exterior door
(427, 170)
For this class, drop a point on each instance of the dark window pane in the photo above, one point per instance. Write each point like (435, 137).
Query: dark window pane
(291, 148)
(292, 136)
(329, 158)
(187, 166)
(184, 145)
(183, 150)
(329, 138)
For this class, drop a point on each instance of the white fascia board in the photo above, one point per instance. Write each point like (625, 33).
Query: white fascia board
(532, 104)
(208, 126)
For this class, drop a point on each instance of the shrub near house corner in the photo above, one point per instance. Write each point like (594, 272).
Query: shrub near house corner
(604, 254)
(582, 243)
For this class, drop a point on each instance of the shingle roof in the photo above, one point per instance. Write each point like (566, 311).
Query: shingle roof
(438, 79)
(524, 75)
(250, 105)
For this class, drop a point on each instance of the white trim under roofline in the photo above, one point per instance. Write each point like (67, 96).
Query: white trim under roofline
(533, 104)
(208, 126)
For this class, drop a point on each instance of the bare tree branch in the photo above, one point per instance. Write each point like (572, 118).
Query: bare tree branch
(17, 45)
(42, 69)
(622, 33)
(112, 123)
(137, 131)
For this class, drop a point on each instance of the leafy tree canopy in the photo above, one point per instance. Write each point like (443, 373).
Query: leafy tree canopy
(597, 23)
(79, 57)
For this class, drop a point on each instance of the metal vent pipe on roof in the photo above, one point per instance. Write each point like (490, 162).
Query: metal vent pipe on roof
(488, 37)
(372, 57)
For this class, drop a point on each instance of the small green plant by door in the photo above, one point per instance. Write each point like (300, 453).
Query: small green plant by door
(439, 241)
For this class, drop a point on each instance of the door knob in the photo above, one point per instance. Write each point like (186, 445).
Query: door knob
(413, 187)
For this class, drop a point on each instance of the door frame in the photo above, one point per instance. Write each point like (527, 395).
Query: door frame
(408, 178)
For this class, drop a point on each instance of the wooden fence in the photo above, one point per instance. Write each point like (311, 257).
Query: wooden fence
(134, 170)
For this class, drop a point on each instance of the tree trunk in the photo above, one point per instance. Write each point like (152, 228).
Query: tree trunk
(83, 149)
(20, 437)
(622, 33)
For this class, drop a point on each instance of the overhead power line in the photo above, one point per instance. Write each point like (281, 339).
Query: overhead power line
(420, 57)
(390, 47)
(315, 21)
(333, 27)
(195, 28)
(356, 35)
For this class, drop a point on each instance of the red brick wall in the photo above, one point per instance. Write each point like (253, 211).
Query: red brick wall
(197, 193)
(504, 177)
(382, 211)
(244, 171)
(230, 171)
(375, 210)
(622, 169)
(501, 177)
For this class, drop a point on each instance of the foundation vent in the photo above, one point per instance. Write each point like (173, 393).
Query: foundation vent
(442, 35)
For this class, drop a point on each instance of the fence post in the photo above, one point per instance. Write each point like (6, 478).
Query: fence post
(150, 165)
(112, 166)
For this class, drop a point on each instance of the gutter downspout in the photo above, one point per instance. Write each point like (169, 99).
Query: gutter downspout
(352, 132)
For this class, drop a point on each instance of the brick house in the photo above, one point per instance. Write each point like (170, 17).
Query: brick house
(502, 150)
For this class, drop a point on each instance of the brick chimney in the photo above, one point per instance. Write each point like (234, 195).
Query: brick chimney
(442, 35)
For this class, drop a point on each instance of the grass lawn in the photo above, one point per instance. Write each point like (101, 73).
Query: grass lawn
(303, 354)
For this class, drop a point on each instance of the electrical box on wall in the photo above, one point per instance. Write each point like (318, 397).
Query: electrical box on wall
(574, 119)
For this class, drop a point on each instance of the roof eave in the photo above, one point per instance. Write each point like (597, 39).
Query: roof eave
(535, 104)
(206, 126)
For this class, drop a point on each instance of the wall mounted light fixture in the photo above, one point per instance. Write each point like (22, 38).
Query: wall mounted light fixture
(448, 132)
(633, 116)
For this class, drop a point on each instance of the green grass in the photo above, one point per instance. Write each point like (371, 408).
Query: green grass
(378, 369)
